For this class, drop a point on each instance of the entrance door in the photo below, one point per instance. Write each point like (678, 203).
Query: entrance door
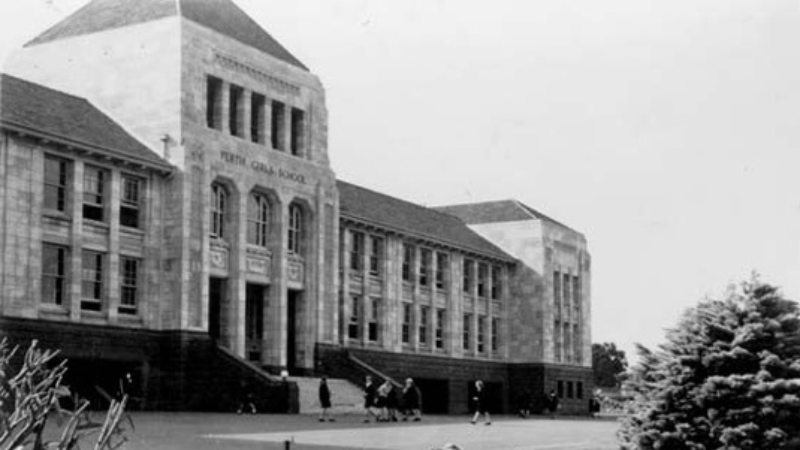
(216, 297)
(292, 326)
(254, 321)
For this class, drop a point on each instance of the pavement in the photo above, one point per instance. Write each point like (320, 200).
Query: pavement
(213, 431)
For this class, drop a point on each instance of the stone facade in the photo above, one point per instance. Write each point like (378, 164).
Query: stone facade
(242, 251)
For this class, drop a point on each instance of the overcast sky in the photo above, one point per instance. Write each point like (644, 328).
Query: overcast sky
(665, 131)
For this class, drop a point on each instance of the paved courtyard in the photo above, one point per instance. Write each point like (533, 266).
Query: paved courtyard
(196, 431)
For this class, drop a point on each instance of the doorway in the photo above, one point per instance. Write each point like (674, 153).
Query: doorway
(216, 298)
(254, 321)
(294, 319)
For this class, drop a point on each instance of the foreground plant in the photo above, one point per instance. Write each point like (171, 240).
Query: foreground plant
(32, 394)
(727, 378)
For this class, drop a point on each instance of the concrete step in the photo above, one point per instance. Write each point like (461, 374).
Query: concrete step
(345, 396)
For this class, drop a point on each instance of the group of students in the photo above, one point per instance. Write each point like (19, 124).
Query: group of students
(383, 403)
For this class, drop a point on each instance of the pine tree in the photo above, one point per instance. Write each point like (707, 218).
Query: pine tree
(728, 377)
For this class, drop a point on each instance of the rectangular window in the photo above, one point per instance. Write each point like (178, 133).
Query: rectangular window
(481, 334)
(560, 389)
(129, 285)
(55, 264)
(577, 341)
(406, 323)
(355, 317)
(440, 317)
(356, 250)
(441, 270)
(236, 110)
(375, 255)
(495, 334)
(567, 343)
(565, 295)
(424, 267)
(92, 281)
(94, 193)
(374, 320)
(258, 220)
(467, 328)
(467, 282)
(56, 183)
(557, 340)
(576, 300)
(483, 275)
(579, 390)
(214, 103)
(298, 130)
(569, 389)
(557, 294)
(408, 261)
(424, 317)
(497, 281)
(130, 208)
(277, 125)
(257, 107)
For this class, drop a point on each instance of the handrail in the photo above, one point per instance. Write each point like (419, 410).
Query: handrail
(253, 368)
(372, 370)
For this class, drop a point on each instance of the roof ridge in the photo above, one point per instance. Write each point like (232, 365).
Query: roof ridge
(525, 209)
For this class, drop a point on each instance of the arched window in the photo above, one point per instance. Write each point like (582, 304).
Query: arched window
(258, 219)
(296, 224)
(219, 210)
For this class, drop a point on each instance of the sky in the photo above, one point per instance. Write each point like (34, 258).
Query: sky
(665, 131)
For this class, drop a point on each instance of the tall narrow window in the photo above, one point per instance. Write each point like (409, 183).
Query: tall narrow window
(129, 285)
(565, 296)
(424, 318)
(467, 329)
(567, 343)
(214, 103)
(408, 261)
(257, 106)
(577, 343)
(406, 324)
(94, 193)
(219, 210)
(495, 334)
(497, 281)
(560, 388)
(467, 272)
(557, 340)
(54, 274)
(375, 255)
(356, 251)
(353, 330)
(236, 111)
(374, 320)
(576, 299)
(296, 227)
(481, 334)
(440, 317)
(441, 270)
(92, 283)
(298, 130)
(277, 125)
(130, 208)
(557, 294)
(579, 390)
(258, 220)
(483, 275)
(569, 389)
(56, 182)
(424, 267)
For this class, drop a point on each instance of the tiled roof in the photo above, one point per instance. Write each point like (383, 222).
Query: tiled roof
(408, 218)
(36, 109)
(496, 211)
(222, 16)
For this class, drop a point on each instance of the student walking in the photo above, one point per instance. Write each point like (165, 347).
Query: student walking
(480, 401)
(411, 401)
(552, 403)
(370, 391)
(324, 400)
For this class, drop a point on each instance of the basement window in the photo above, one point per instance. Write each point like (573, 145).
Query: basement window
(214, 103)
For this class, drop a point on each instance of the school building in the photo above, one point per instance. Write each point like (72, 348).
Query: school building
(168, 210)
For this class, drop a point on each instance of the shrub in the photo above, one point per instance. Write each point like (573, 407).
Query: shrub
(728, 377)
(32, 394)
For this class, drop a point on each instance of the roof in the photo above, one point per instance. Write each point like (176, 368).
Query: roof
(222, 16)
(35, 109)
(409, 218)
(496, 211)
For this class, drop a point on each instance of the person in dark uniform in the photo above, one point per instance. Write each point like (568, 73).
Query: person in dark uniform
(552, 403)
(324, 400)
(411, 401)
(370, 390)
(480, 401)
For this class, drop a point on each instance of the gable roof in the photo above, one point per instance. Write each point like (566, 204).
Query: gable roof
(496, 211)
(37, 110)
(411, 219)
(222, 16)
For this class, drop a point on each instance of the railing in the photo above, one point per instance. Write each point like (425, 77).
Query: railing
(371, 370)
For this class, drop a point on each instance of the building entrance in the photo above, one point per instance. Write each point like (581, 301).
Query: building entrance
(216, 298)
(293, 327)
(254, 321)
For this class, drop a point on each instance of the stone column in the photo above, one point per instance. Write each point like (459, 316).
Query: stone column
(225, 106)
(455, 308)
(278, 295)
(346, 239)
(246, 113)
(113, 246)
(236, 273)
(76, 242)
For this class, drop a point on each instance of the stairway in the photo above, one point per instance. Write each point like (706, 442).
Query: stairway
(345, 396)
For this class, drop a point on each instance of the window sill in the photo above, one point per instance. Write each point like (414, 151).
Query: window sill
(131, 230)
(54, 310)
(57, 215)
(95, 224)
(130, 319)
